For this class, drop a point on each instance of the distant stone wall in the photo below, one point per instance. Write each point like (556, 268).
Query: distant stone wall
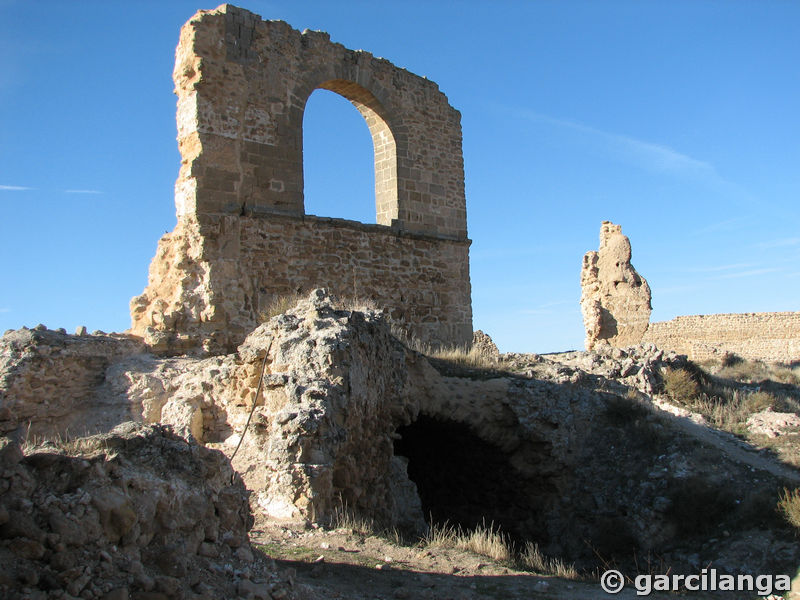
(756, 336)
(243, 237)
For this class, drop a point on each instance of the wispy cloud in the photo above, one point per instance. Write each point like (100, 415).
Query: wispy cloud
(780, 243)
(546, 308)
(14, 188)
(726, 225)
(748, 273)
(676, 289)
(718, 268)
(642, 153)
(82, 192)
(5, 310)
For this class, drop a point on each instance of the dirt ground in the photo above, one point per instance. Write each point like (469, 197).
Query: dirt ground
(343, 563)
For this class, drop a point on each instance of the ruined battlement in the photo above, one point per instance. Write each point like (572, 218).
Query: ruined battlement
(615, 302)
(773, 337)
(243, 237)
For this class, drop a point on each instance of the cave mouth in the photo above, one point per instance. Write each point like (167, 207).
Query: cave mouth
(466, 481)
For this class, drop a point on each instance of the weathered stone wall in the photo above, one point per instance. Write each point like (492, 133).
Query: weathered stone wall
(240, 264)
(756, 336)
(49, 381)
(242, 236)
(615, 299)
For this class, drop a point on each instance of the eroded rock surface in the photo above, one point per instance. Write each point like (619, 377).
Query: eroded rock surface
(51, 382)
(138, 510)
(557, 449)
(615, 299)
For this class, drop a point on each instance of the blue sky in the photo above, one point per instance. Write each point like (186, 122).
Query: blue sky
(678, 120)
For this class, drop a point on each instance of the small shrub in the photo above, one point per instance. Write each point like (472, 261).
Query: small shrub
(730, 359)
(533, 559)
(789, 506)
(758, 401)
(680, 385)
(626, 409)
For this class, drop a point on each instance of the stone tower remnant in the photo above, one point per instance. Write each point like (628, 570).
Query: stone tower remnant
(243, 237)
(615, 299)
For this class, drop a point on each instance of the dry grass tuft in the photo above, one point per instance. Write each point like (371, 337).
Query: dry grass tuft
(789, 506)
(742, 370)
(458, 355)
(532, 558)
(64, 444)
(344, 518)
(483, 540)
(463, 357)
(279, 305)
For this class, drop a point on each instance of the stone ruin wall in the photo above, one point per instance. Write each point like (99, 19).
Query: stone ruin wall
(243, 237)
(615, 302)
(773, 337)
(615, 299)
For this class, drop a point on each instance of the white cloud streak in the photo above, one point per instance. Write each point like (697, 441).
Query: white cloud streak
(82, 192)
(749, 273)
(14, 188)
(648, 155)
(726, 225)
(780, 243)
(719, 268)
(547, 308)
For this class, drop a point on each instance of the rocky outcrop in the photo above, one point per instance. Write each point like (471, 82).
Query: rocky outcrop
(615, 299)
(773, 424)
(559, 449)
(134, 511)
(484, 346)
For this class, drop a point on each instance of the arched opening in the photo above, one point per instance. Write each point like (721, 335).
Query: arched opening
(337, 162)
(467, 481)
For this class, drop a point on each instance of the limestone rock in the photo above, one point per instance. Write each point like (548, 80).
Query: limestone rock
(615, 299)
(772, 424)
(484, 345)
(348, 416)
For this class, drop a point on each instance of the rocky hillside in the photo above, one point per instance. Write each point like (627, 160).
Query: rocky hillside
(573, 453)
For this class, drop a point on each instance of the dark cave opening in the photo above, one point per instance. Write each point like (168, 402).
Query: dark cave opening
(466, 481)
